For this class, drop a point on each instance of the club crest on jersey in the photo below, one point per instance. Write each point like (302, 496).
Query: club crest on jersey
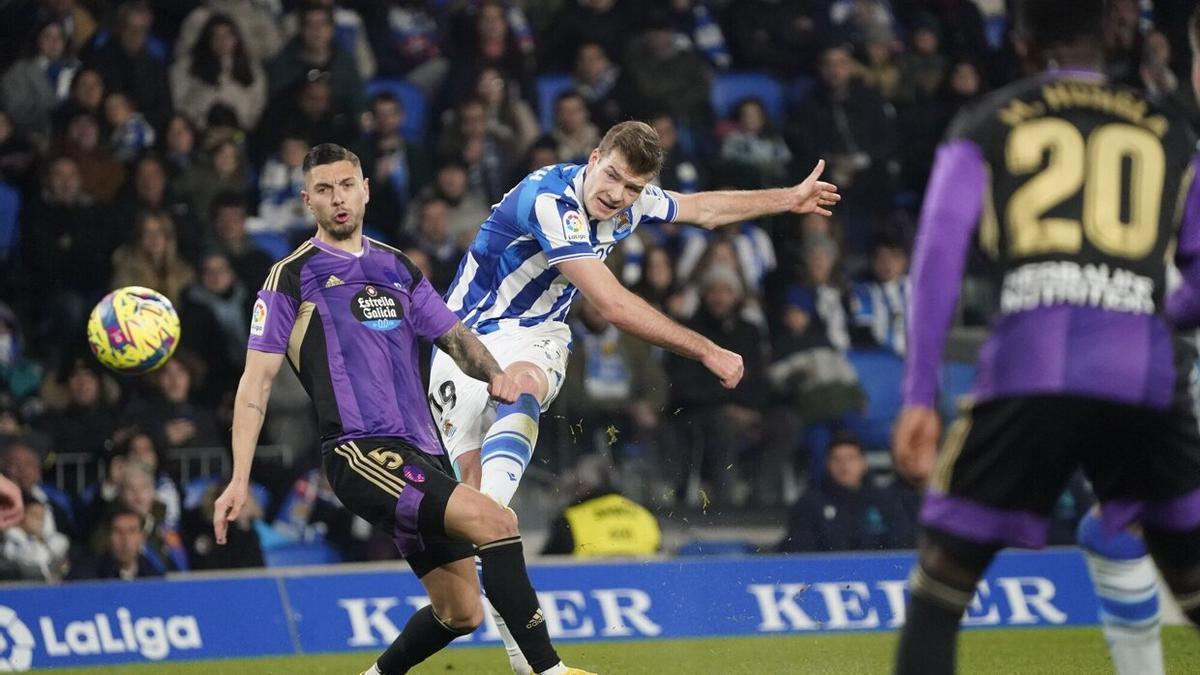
(575, 228)
(624, 221)
(376, 310)
(258, 318)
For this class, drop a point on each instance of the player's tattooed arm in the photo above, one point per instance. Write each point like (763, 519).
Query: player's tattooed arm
(469, 353)
(254, 406)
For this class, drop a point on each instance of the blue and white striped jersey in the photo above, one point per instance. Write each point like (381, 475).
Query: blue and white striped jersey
(507, 277)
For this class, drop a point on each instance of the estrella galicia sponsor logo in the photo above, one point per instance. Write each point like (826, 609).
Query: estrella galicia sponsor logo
(377, 310)
(414, 474)
(152, 637)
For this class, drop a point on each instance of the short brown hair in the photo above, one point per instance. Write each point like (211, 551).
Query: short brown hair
(329, 153)
(639, 145)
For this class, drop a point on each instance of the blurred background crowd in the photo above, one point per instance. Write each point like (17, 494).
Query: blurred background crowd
(160, 144)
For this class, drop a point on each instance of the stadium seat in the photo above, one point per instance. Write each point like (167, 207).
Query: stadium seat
(272, 243)
(10, 229)
(956, 381)
(698, 547)
(729, 89)
(412, 98)
(548, 88)
(797, 90)
(301, 553)
(879, 374)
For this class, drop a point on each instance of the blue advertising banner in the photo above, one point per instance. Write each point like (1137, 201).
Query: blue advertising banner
(702, 597)
(118, 622)
(291, 611)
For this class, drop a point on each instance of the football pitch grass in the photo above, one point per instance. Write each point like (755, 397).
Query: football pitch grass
(1045, 650)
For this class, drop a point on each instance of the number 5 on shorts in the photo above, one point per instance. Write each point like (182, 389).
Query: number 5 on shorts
(390, 460)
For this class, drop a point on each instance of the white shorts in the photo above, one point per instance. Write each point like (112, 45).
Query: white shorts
(460, 403)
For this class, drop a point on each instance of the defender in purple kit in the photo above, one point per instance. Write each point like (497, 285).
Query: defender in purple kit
(346, 311)
(1076, 188)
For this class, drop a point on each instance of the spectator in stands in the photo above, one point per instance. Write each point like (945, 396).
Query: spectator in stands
(86, 95)
(600, 521)
(150, 190)
(923, 124)
(87, 420)
(100, 498)
(720, 423)
(151, 258)
(495, 34)
(614, 382)
(468, 207)
(880, 302)
(487, 150)
(170, 411)
(20, 376)
(507, 112)
(255, 19)
(349, 30)
(131, 133)
(32, 87)
(666, 77)
(219, 69)
(64, 249)
(78, 23)
(754, 143)
(696, 26)
(856, 19)
(17, 155)
(100, 172)
(397, 166)
(853, 129)
(605, 22)
(222, 168)
(746, 250)
(597, 80)
(432, 236)
(242, 548)
(406, 39)
(878, 69)
(781, 38)
(573, 129)
(306, 110)
(127, 66)
(140, 448)
(923, 66)
(314, 49)
(124, 555)
(847, 512)
(250, 263)
(823, 296)
(215, 322)
(1123, 41)
(658, 285)
(680, 173)
(179, 146)
(23, 465)
(962, 27)
(280, 209)
(28, 552)
(163, 546)
(312, 511)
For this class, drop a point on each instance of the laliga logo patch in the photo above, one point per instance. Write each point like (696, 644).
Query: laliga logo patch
(377, 310)
(414, 474)
(258, 319)
(575, 228)
(16, 652)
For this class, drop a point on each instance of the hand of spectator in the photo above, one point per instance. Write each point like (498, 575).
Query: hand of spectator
(179, 431)
(726, 365)
(504, 388)
(813, 195)
(12, 509)
(915, 442)
(228, 507)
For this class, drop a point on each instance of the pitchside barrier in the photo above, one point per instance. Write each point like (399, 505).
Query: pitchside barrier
(343, 608)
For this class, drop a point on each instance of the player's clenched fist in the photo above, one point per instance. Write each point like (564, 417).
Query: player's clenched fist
(915, 442)
(228, 507)
(504, 388)
(726, 365)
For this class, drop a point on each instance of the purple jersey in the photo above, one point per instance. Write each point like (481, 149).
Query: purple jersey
(1077, 189)
(349, 326)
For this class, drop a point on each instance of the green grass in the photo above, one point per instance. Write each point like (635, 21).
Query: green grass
(1059, 651)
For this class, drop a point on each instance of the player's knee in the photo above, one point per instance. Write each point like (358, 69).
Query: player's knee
(461, 615)
(499, 523)
(954, 561)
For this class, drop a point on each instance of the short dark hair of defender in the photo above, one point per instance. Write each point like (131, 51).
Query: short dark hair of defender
(1046, 24)
(328, 153)
(639, 145)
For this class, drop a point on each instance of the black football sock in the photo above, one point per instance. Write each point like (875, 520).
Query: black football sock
(929, 639)
(423, 635)
(506, 582)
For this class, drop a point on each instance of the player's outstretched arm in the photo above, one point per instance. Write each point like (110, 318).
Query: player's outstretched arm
(633, 315)
(249, 409)
(474, 359)
(714, 209)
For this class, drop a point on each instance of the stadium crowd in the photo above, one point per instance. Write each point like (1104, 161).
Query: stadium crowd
(160, 144)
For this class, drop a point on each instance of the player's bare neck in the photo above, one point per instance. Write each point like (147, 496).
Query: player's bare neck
(352, 244)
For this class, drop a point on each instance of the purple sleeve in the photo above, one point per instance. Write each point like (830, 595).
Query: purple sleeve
(953, 202)
(271, 322)
(1183, 305)
(430, 316)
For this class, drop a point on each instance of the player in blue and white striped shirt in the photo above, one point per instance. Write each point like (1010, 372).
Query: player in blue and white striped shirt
(546, 240)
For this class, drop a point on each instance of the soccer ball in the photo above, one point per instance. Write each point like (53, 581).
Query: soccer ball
(133, 330)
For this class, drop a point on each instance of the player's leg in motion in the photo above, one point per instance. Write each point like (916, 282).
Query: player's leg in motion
(509, 443)
(943, 584)
(1127, 587)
